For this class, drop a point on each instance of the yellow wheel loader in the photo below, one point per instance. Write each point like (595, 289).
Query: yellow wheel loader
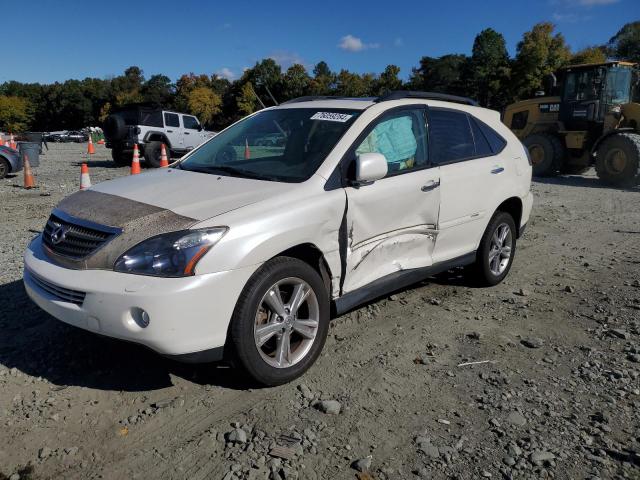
(592, 117)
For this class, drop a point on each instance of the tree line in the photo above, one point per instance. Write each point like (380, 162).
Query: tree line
(489, 75)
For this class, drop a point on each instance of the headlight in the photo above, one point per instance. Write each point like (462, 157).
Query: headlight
(172, 254)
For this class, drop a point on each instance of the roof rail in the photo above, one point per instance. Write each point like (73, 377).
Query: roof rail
(313, 98)
(400, 94)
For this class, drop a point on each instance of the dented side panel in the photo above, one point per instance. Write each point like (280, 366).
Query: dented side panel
(392, 225)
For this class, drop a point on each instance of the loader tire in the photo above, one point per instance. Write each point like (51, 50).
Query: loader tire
(547, 153)
(618, 160)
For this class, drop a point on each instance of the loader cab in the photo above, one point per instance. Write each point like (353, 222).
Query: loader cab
(590, 91)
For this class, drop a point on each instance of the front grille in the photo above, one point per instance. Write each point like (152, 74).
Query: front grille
(61, 293)
(74, 238)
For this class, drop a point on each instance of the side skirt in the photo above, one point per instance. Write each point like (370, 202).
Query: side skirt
(396, 281)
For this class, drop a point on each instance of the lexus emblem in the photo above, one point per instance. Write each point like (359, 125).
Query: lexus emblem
(58, 234)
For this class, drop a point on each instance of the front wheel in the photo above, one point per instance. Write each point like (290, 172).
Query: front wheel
(280, 322)
(618, 160)
(4, 168)
(497, 249)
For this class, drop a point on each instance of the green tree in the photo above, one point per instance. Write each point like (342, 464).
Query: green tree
(625, 45)
(589, 55)
(296, 82)
(539, 53)
(388, 81)
(204, 103)
(350, 84)
(246, 101)
(442, 74)
(323, 80)
(158, 89)
(14, 114)
(488, 69)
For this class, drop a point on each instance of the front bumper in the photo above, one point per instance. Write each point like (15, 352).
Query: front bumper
(187, 315)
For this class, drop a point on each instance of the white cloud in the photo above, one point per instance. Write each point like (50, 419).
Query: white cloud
(398, 42)
(226, 73)
(355, 44)
(286, 59)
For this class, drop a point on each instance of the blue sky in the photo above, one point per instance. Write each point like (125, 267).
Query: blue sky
(54, 41)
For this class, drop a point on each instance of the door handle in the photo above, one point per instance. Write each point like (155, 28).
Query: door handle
(433, 184)
(187, 133)
(497, 170)
(169, 131)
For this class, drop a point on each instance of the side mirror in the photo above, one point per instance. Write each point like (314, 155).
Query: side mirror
(200, 128)
(370, 167)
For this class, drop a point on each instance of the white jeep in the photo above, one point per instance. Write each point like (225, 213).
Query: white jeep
(149, 126)
(248, 245)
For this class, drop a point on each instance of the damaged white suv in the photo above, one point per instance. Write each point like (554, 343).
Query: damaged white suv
(247, 247)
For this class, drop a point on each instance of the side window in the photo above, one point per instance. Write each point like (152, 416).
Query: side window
(190, 122)
(483, 149)
(171, 119)
(450, 136)
(400, 138)
(496, 142)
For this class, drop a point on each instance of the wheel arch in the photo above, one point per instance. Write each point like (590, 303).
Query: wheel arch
(154, 136)
(512, 206)
(607, 135)
(313, 256)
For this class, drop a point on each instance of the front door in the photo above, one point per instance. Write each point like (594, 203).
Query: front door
(392, 223)
(173, 130)
(191, 132)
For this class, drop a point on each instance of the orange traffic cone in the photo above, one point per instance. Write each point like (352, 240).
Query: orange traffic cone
(29, 181)
(164, 161)
(100, 142)
(85, 180)
(1, 141)
(135, 164)
(91, 149)
(13, 143)
(247, 152)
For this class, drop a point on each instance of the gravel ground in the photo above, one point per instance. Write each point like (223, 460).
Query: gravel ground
(395, 395)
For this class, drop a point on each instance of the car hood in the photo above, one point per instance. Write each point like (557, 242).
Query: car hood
(191, 194)
(142, 206)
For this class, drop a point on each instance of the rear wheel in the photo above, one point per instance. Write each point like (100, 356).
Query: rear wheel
(281, 321)
(120, 158)
(497, 249)
(152, 153)
(547, 153)
(618, 159)
(4, 168)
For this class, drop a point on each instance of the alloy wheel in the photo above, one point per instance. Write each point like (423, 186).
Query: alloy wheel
(286, 322)
(500, 250)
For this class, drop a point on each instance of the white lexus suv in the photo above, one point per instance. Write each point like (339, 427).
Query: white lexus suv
(247, 247)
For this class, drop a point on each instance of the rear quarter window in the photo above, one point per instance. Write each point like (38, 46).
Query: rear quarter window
(496, 142)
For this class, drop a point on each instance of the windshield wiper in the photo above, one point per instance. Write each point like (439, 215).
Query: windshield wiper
(237, 172)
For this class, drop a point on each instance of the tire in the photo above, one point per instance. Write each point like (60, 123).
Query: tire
(618, 160)
(152, 152)
(120, 158)
(115, 127)
(5, 168)
(252, 308)
(547, 153)
(483, 270)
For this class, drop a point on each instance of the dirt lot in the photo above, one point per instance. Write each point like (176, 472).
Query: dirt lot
(557, 397)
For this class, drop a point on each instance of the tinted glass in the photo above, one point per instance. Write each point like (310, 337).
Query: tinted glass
(618, 86)
(190, 122)
(483, 149)
(496, 142)
(450, 136)
(171, 120)
(151, 118)
(285, 145)
(400, 138)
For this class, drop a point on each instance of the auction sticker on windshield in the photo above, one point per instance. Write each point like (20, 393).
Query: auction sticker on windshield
(331, 116)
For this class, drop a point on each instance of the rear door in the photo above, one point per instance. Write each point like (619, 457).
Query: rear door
(173, 130)
(471, 178)
(191, 132)
(392, 222)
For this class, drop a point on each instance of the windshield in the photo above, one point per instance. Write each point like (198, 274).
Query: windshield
(286, 145)
(618, 87)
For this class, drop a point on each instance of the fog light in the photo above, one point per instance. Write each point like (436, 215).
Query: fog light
(141, 317)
